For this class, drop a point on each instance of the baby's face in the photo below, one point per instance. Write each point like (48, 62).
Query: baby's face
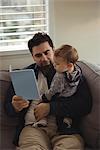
(60, 64)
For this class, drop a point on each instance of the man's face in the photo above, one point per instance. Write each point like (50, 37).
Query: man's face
(43, 54)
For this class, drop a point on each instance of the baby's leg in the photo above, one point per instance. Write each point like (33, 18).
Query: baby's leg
(30, 117)
(40, 123)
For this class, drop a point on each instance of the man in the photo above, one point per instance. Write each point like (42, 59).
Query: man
(45, 138)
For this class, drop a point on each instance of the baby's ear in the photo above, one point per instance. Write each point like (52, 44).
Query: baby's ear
(70, 65)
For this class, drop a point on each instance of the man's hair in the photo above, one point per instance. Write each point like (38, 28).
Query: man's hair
(68, 53)
(39, 38)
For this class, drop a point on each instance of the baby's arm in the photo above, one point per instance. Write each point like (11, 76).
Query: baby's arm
(57, 86)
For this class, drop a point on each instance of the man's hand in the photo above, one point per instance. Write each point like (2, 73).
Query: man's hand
(19, 103)
(41, 110)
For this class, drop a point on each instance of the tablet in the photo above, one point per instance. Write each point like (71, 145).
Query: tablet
(25, 84)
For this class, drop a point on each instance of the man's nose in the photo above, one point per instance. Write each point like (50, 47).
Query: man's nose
(44, 57)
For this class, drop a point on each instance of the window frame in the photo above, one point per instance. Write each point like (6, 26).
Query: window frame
(14, 51)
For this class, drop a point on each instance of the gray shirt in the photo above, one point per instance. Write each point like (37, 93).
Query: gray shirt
(64, 83)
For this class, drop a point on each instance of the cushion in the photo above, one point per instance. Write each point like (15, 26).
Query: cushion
(7, 124)
(90, 125)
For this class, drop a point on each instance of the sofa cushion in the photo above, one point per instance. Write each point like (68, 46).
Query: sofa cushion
(90, 125)
(7, 124)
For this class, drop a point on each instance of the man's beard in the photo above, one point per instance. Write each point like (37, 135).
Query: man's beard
(44, 63)
(46, 68)
(48, 71)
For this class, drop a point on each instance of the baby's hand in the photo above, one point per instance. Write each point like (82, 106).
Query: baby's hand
(41, 110)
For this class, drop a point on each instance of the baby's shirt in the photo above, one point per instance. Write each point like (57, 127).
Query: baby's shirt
(65, 84)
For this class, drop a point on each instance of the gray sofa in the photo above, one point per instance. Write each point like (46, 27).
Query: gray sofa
(90, 125)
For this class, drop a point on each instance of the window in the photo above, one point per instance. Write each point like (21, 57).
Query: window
(20, 20)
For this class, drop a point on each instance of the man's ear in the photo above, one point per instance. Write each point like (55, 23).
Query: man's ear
(33, 57)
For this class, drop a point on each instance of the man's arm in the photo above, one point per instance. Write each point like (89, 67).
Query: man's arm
(8, 102)
(75, 106)
(14, 104)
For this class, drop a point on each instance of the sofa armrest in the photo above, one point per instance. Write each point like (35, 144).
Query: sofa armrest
(90, 125)
(7, 124)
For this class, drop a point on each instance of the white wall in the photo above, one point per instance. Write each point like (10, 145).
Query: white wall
(17, 61)
(75, 22)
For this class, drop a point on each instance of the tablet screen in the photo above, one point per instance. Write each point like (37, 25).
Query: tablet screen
(25, 84)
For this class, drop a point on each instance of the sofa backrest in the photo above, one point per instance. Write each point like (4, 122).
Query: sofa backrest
(7, 124)
(90, 125)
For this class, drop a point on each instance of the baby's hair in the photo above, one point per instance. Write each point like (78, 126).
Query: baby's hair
(68, 53)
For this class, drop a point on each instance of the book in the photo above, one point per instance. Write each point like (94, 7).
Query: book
(25, 84)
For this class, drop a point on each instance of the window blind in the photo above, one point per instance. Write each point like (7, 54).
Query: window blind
(20, 20)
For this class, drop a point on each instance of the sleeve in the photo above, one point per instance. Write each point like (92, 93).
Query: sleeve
(76, 106)
(8, 102)
(57, 86)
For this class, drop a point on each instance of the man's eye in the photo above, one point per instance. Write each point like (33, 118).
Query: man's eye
(38, 55)
(46, 52)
